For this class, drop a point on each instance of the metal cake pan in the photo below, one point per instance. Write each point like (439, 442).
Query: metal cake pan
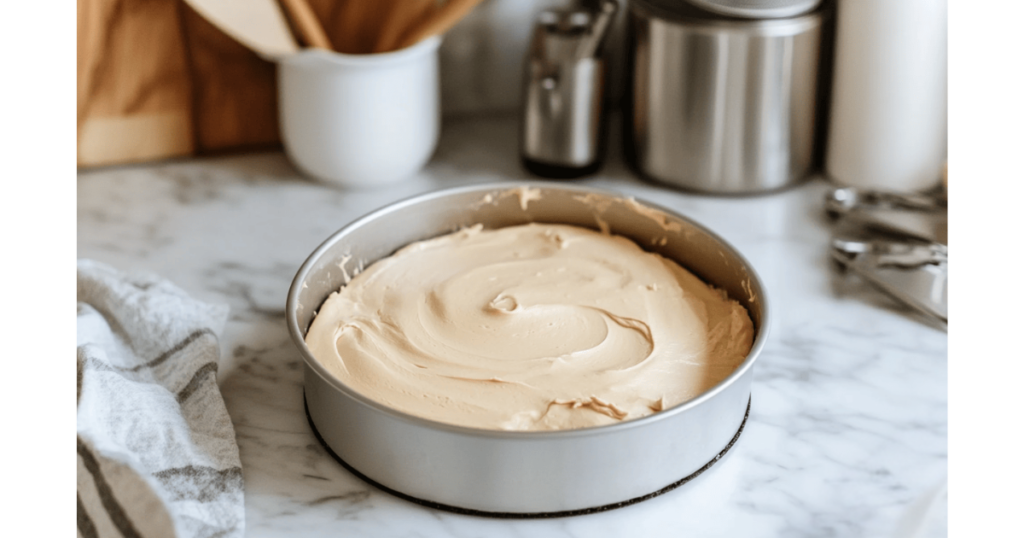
(511, 473)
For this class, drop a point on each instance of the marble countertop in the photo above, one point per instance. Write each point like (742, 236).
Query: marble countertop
(847, 434)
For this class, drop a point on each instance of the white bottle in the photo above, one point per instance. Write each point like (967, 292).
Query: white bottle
(887, 128)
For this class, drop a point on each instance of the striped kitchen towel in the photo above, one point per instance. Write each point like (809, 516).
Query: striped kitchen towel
(156, 449)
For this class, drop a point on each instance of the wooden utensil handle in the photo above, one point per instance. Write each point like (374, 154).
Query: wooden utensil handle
(439, 22)
(401, 20)
(305, 20)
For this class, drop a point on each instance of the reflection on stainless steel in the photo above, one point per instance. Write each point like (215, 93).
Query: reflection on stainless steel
(920, 216)
(916, 274)
(721, 105)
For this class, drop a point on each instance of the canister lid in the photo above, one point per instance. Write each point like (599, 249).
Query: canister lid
(689, 14)
(758, 9)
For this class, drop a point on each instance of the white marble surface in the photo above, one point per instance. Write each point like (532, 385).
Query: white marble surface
(848, 431)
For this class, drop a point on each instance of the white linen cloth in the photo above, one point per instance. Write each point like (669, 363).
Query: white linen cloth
(156, 448)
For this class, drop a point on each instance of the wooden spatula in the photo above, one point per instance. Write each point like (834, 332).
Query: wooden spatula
(258, 24)
(400, 21)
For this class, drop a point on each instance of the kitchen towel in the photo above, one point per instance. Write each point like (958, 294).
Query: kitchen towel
(156, 448)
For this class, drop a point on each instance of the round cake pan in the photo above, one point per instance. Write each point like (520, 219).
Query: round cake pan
(514, 473)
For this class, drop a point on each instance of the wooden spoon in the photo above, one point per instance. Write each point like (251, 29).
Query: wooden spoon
(400, 21)
(257, 24)
(301, 14)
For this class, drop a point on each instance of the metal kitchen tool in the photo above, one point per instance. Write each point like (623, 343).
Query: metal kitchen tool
(915, 274)
(534, 473)
(758, 9)
(920, 216)
(596, 35)
(562, 118)
(718, 104)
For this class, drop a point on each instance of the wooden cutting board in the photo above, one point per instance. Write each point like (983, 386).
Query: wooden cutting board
(156, 80)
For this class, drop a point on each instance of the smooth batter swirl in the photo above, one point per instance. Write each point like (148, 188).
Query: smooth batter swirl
(532, 327)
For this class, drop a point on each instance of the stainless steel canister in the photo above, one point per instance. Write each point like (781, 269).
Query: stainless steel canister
(562, 124)
(515, 473)
(562, 116)
(718, 104)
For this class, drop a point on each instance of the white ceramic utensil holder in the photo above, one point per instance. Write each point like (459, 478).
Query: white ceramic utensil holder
(360, 121)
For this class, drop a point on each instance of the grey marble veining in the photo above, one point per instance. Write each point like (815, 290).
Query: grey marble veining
(848, 428)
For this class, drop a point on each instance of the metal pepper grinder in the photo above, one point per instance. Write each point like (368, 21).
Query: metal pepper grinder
(562, 133)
